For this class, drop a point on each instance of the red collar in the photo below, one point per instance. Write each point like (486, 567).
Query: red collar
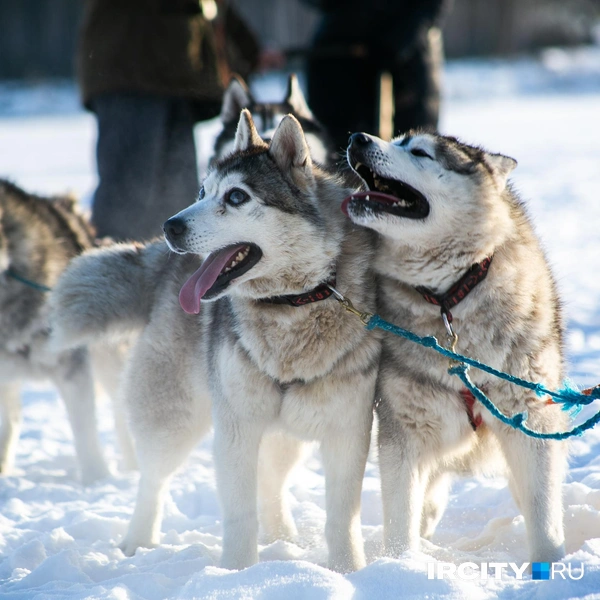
(476, 274)
(321, 292)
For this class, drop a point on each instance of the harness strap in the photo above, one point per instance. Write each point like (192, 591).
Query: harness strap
(469, 400)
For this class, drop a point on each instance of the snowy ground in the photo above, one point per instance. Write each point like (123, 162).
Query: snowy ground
(58, 539)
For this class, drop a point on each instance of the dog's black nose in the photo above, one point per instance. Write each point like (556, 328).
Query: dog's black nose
(359, 139)
(174, 228)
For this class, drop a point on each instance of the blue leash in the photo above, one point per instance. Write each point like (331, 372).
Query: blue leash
(32, 284)
(517, 421)
(570, 398)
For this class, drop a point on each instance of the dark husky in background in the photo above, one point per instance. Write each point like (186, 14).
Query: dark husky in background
(268, 115)
(38, 238)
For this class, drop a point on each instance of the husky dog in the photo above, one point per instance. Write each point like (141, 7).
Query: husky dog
(38, 237)
(267, 115)
(275, 354)
(447, 218)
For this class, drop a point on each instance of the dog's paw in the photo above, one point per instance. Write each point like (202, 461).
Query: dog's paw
(284, 530)
(93, 474)
(128, 546)
(346, 564)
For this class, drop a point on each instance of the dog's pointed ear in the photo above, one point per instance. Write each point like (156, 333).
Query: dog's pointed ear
(290, 150)
(67, 202)
(502, 167)
(246, 136)
(295, 98)
(236, 97)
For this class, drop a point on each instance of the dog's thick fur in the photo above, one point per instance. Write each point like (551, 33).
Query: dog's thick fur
(511, 320)
(38, 238)
(276, 375)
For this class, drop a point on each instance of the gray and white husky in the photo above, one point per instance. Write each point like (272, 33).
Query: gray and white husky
(268, 115)
(38, 238)
(454, 240)
(253, 331)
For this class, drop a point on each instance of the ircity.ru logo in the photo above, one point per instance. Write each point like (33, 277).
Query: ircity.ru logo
(495, 570)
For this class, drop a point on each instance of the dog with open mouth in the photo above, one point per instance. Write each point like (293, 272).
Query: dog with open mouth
(457, 254)
(253, 333)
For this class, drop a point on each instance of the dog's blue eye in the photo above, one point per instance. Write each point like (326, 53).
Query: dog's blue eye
(201, 193)
(419, 152)
(235, 197)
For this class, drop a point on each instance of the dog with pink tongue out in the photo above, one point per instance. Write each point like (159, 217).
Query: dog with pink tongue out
(253, 334)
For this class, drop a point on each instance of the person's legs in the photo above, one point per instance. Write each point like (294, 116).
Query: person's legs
(179, 184)
(146, 164)
(417, 83)
(343, 95)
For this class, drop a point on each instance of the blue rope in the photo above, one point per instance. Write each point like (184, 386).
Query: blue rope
(31, 284)
(517, 421)
(570, 398)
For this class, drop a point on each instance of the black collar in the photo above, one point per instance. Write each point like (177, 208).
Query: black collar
(476, 274)
(321, 292)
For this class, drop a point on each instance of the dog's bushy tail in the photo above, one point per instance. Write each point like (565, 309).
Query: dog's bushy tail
(106, 293)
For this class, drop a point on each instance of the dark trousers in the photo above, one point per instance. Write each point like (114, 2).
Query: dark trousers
(343, 91)
(146, 163)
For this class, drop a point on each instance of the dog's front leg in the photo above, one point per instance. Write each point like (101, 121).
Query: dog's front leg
(403, 486)
(10, 424)
(277, 457)
(236, 462)
(537, 468)
(344, 459)
(436, 499)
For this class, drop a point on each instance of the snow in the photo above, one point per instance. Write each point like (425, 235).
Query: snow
(58, 539)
